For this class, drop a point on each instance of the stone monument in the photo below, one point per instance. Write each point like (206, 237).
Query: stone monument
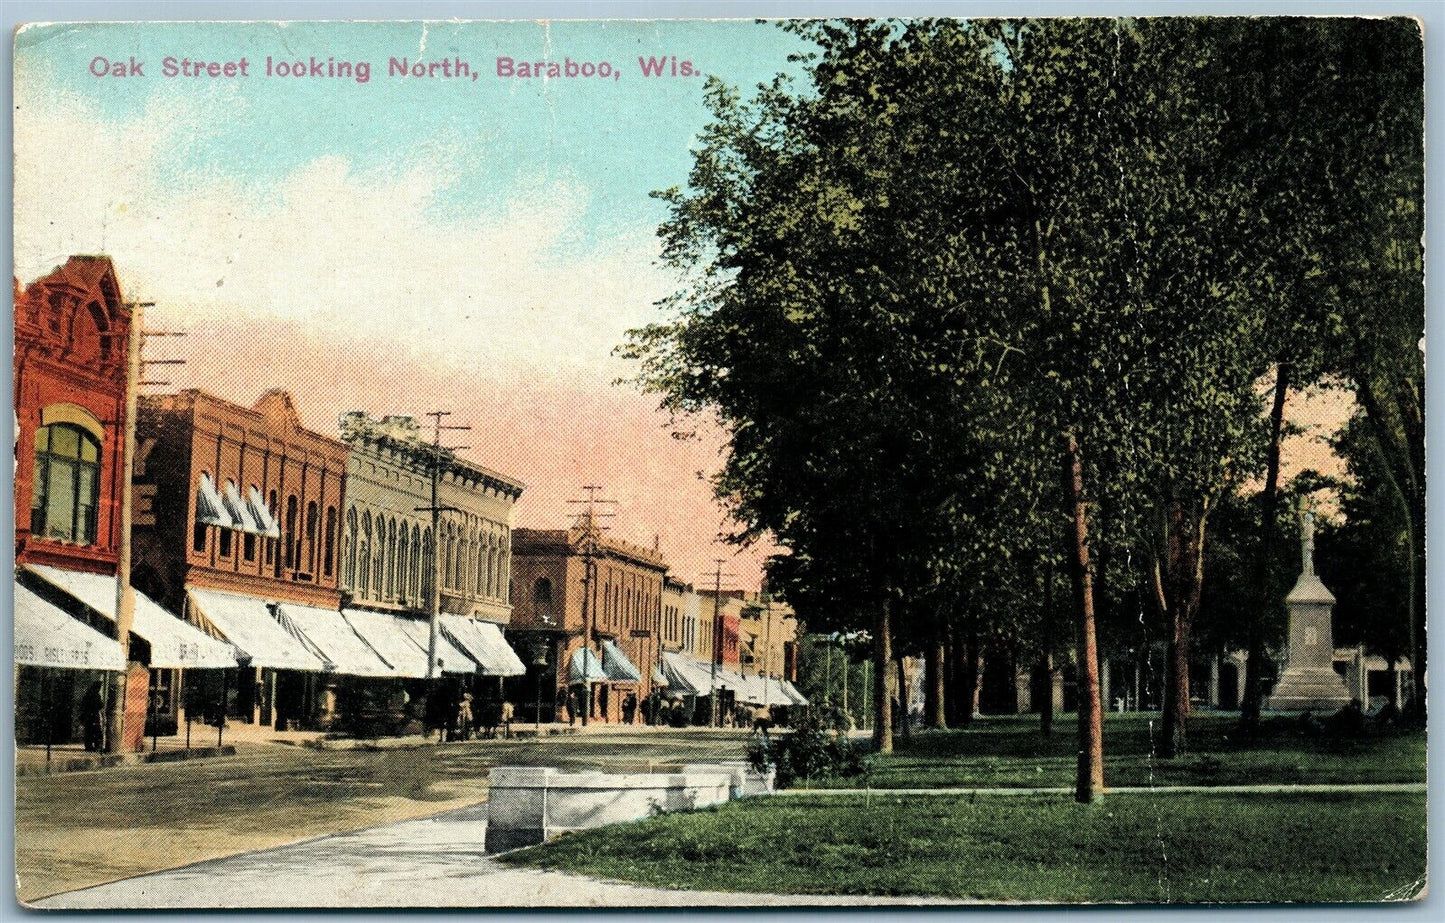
(1309, 681)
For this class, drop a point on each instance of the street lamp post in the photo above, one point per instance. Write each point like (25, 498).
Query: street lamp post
(539, 660)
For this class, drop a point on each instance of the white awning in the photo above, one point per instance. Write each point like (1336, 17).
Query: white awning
(240, 511)
(248, 624)
(173, 643)
(484, 643)
(686, 675)
(336, 640)
(210, 509)
(792, 692)
(585, 668)
(449, 658)
(262, 514)
(618, 667)
(386, 635)
(47, 637)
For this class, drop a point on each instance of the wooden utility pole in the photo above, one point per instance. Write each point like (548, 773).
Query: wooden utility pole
(124, 593)
(715, 718)
(587, 518)
(434, 598)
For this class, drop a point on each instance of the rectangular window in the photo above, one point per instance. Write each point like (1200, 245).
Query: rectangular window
(248, 547)
(60, 497)
(225, 550)
(198, 537)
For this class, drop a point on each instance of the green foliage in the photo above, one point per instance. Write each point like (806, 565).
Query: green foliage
(812, 747)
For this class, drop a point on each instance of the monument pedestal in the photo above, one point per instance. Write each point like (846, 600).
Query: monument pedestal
(1309, 681)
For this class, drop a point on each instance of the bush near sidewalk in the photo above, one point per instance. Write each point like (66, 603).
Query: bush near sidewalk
(812, 748)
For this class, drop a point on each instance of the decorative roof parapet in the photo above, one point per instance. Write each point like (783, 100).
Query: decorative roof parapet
(402, 435)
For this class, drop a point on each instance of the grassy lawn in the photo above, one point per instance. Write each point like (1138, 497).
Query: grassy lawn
(1135, 848)
(1009, 752)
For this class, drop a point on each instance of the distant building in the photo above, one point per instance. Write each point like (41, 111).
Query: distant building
(598, 632)
(768, 636)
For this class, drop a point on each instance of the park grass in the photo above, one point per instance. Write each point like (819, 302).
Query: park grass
(1136, 848)
(1009, 752)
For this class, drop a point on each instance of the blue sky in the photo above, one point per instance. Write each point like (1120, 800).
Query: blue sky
(619, 139)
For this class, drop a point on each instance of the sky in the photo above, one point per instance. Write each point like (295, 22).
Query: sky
(403, 244)
(411, 244)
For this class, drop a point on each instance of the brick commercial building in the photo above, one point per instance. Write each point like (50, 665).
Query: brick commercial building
(72, 330)
(245, 540)
(586, 613)
(389, 560)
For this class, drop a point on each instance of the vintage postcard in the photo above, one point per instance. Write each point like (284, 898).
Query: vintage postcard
(719, 463)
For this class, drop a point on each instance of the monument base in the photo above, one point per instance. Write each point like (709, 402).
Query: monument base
(1316, 689)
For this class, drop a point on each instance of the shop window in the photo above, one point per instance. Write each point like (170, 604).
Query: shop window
(65, 494)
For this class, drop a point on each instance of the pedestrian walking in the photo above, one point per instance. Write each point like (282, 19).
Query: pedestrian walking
(92, 707)
(507, 713)
(464, 716)
(629, 707)
(572, 707)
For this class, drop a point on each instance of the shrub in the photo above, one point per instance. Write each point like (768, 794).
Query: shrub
(811, 749)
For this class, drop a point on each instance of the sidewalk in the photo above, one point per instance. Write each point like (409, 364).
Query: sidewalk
(434, 862)
(31, 760)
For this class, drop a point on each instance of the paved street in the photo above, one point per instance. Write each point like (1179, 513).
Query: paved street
(81, 829)
(433, 862)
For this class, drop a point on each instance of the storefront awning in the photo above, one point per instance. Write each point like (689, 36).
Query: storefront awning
(685, 675)
(585, 668)
(449, 658)
(386, 635)
(47, 637)
(335, 640)
(615, 664)
(253, 631)
(173, 643)
(792, 692)
(484, 643)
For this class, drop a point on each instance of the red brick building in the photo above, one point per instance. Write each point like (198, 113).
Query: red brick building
(554, 604)
(246, 524)
(72, 331)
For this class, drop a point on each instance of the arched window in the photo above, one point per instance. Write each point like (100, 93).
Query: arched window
(428, 572)
(349, 571)
(542, 594)
(391, 558)
(494, 582)
(403, 563)
(313, 522)
(292, 538)
(328, 559)
(66, 488)
(416, 561)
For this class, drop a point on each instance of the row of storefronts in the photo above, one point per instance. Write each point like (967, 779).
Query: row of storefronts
(285, 578)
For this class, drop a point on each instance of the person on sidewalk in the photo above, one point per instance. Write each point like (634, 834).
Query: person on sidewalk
(507, 713)
(464, 716)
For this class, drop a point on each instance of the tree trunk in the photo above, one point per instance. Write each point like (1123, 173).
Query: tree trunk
(1252, 702)
(1046, 662)
(904, 687)
(1404, 465)
(882, 659)
(1177, 584)
(968, 701)
(1089, 779)
(957, 658)
(933, 687)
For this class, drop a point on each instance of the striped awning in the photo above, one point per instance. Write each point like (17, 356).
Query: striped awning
(335, 640)
(251, 628)
(617, 666)
(484, 643)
